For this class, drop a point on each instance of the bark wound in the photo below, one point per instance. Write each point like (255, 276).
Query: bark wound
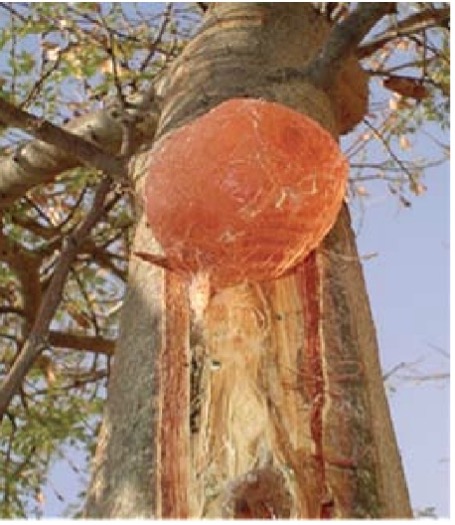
(309, 281)
(259, 494)
(175, 398)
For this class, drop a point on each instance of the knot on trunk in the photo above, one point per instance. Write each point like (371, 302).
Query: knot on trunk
(261, 493)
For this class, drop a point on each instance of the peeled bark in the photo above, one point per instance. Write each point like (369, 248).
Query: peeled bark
(271, 404)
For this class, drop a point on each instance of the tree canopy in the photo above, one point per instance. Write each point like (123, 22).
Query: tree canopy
(90, 69)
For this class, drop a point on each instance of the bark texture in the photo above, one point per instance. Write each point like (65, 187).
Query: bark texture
(126, 461)
(271, 405)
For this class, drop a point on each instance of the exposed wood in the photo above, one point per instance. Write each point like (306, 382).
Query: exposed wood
(175, 412)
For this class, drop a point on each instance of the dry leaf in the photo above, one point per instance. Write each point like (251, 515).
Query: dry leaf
(362, 191)
(55, 215)
(404, 142)
(406, 86)
(46, 365)
(394, 103)
(417, 188)
(403, 45)
(39, 497)
(108, 67)
(53, 53)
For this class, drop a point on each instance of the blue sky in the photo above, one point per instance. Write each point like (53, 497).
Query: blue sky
(408, 284)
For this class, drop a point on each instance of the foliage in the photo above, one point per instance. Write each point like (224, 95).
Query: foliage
(61, 60)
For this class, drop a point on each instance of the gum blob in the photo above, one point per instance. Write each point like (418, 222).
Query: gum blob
(244, 192)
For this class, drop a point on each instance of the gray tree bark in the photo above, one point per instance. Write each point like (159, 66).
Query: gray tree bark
(274, 405)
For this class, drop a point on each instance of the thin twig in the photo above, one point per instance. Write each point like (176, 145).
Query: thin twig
(13, 54)
(415, 23)
(110, 50)
(399, 162)
(157, 40)
(92, 20)
(45, 75)
(10, 9)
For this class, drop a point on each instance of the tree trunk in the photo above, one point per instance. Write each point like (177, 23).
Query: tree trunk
(272, 405)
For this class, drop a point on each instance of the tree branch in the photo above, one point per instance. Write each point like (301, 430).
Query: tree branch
(38, 336)
(85, 343)
(344, 39)
(37, 162)
(86, 151)
(413, 24)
